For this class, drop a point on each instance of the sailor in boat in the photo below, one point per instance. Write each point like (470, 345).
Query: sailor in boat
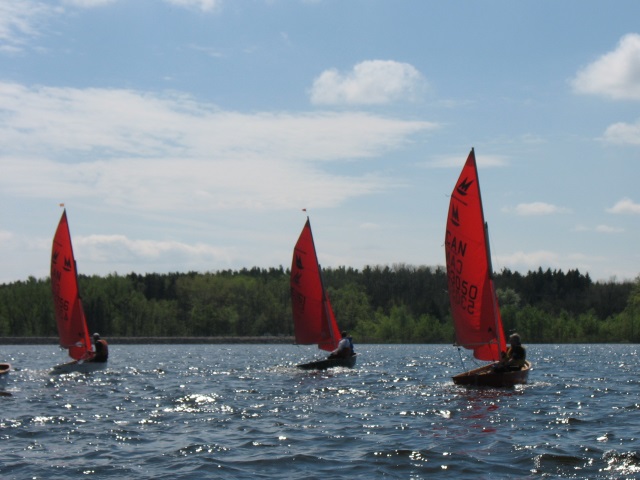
(345, 347)
(514, 358)
(101, 349)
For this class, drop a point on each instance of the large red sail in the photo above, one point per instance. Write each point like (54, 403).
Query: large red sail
(72, 325)
(474, 306)
(313, 318)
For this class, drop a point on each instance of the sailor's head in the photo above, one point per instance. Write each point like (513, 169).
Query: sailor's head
(96, 336)
(514, 339)
(344, 334)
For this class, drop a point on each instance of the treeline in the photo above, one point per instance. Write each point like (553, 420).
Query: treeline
(388, 304)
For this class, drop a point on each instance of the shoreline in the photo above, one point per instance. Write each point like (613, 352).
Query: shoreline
(156, 340)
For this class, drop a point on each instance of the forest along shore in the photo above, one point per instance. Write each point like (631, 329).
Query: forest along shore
(380, 304)
(155, 340)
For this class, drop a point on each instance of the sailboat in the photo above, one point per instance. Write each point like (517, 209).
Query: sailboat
(474, 304)
(5, 368)
(313, 318)
(72, 324)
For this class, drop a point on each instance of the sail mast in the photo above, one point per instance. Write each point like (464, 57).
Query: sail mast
(496, 307)
(325, 305)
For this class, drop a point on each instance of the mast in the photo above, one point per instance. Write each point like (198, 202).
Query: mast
(325, 305)
(496, 307)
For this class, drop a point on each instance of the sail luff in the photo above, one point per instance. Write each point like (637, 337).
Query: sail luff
(498, 329)
(496, 307)
(329, 324)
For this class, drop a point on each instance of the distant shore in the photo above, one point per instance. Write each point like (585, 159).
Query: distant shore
(155, 340)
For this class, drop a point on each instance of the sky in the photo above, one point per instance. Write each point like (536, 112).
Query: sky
(189, 135)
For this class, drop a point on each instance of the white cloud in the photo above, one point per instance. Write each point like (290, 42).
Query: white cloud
(371, 82)
(529, 259)
(5, 236)
(20, 20)
(623, 133)
(615, 74)
(175, 184)
(599, 229)
(128, 123)
(626, 205)
(119, 249)
(88, 3)
(538, 208)
(203, 5)
(608, 229)
(370, 226)
(167, 153)
(547, 259)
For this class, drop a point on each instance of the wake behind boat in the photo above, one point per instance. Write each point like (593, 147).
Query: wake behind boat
(474, 304)
(313, 318)
(70, 318)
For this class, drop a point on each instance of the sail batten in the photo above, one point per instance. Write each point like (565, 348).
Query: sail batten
(474, 306)
(70, 318)
(313, 317)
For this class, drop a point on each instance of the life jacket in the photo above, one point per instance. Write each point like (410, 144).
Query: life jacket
(517, 355)
(102, 354)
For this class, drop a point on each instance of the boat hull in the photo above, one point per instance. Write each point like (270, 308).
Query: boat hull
(4, 372)
(80, 367)
(486, 377)
(348, 362)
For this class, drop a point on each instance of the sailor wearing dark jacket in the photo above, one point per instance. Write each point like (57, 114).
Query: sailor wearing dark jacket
(345, 347)
(514, 358)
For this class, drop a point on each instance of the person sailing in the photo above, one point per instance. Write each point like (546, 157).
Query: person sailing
(101, 349)
(345, 347)
(514, 358)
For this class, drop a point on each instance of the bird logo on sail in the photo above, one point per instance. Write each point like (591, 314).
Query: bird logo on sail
(67, 264)
(455, 218)
(463, 187)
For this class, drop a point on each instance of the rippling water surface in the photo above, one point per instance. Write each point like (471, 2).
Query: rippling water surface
(244, 411)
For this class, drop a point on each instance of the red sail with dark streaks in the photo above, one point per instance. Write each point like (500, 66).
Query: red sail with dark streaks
(72, 325)
(313, 318)
(474, 306)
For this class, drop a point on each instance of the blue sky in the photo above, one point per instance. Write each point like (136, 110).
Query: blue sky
(189, 134)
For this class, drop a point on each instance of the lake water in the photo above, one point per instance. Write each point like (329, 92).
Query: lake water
(244, 411)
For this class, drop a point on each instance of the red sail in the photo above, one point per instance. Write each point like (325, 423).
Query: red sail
(313, 318)
(474, 306)
(72, 326)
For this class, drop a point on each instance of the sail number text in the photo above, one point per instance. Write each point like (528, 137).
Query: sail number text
(61, 305)
(464, 294)
(461, 292)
